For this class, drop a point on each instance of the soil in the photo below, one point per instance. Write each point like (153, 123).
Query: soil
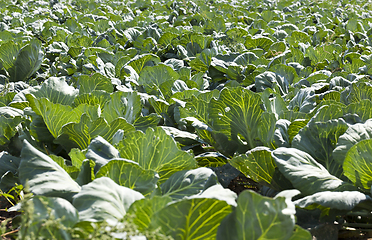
(7, 216)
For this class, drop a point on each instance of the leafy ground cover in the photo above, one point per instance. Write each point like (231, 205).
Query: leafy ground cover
(148, 119)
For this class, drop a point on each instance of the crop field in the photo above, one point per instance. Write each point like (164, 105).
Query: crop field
(186, 120)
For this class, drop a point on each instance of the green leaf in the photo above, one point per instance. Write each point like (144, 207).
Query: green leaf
(318, 54)
(157, 75)
(97, 81)
(183, 137)
(8, 53)
(44, 176)
(140, 61)
(66, 165)
(197, 112)
(28, 61)
(258, 217)
(246, 58)
(319, 139)
(77, 157)
(56, 90)
(211, 159)
(10, 118)
(129, 174)
(297, 37)
(96, 97)
(353, 135)
(357, 164)
(305, 173)
(144, 209)
(258, 42)
(123, 104)
(271, 80)
(188, 182)
(84, 131)
(8, 163)
(304, 101)
(40, 210)
(192, 218)
(356, 92)
(202, 62)
(101, 152)
(345, 200)
(6, 98)
(149, 121)
(86, 174)
(257, 164)
(167, 38)
(236, 114)
(57, 115)
(281, 133)
(103, 199)
(360, 108)
(300, 234)
(155, 150)
(288, 72)
(274, 104)
(266, 129)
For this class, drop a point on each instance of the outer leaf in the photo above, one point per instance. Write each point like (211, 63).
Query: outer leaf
(281, 136)
(157, 75)
(103, 199)
(304, 101)
(271, 80)
(8, 163)
(95, 82)
(8, 53)
(101, 152)
(356, 92)
(155, 150)
(197, 112)
(305, 173)
(256, 164)
(144, 209)
(123, 104)
(140, 61)
(266, 129)
(319, 139)
(43, 209)
(10, 118)
(44, 176)
(95, 97)
(183, 137)
(188, 182)
(346, 200)
(149, 121)
(300, 234)
(56, 90)
(202, 62)
(360, 108)
(258, 42)
(236, 114)
(358, 164)
(129, 174)
(85, 130)
(258, 217)
(211, 159)
(28, 61)
(196, 218)
(57, 115)
(354, 134)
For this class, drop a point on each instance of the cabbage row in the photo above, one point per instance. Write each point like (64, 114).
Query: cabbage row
(129, 119)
